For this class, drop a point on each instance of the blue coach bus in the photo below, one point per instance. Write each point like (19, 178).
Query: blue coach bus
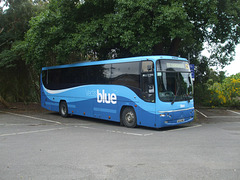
(152, 91)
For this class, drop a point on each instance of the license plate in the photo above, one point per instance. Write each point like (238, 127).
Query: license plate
(180, 120)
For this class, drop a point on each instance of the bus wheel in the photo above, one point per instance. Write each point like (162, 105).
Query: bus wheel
(63, 109)
(129, 118)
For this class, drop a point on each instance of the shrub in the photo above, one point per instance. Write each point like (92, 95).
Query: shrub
(226, 93)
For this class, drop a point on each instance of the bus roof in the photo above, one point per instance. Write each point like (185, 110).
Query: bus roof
(122, 60)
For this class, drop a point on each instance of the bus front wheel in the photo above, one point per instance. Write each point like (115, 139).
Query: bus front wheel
(63, 109)
(129, 118)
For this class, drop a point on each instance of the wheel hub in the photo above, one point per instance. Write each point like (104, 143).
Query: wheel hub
(129, 117)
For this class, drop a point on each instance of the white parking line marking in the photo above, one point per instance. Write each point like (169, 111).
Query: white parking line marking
(30, 132)
(76, 125)
(129, 133)
(234, 112)
(86, 127)
(201, 113)
(19, 124)
(31, 117)
(150, 134)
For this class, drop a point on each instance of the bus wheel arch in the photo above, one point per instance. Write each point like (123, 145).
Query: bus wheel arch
(63, 108)
(128, 117)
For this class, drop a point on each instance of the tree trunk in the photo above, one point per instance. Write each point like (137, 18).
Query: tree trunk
(4, 103)
(173, 50)
(158, 49)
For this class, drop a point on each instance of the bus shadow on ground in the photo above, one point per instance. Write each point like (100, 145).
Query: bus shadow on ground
(178, 127)
(165, 129)
(82, 119)
(75, 119)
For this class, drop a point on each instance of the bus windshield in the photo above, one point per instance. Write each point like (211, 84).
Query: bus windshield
(174, 81)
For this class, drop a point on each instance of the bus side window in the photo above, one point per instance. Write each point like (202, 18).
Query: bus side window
(126, 74)
(147, 81)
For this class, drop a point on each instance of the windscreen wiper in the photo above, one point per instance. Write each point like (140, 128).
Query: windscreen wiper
(178, 87)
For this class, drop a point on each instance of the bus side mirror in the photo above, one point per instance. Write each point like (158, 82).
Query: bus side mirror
(149, 67)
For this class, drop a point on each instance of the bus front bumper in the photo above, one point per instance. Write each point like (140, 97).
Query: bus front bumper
(175, 117)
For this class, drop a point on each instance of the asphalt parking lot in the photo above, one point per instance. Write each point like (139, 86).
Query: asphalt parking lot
(43, 145)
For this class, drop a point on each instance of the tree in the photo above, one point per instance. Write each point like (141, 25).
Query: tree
(15, 77)
(204, 76)
(67, 31)
(110, 28)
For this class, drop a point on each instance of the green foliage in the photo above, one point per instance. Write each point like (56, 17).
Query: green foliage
(204, 76)
(17, 82)
(67, 31)
(10, 58)
(49, 41)
(226, 93)
(75, 30)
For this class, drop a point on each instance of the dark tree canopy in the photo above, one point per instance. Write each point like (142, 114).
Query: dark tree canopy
(50, 32)
(74, 30)
(15, 76)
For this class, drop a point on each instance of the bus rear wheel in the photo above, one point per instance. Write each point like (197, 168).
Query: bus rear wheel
(129, 118)
(63, 109)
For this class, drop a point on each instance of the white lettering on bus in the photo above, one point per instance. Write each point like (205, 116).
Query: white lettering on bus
(106, 98)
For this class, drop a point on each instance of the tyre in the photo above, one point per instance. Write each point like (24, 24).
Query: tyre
(129, 118)
(63, 109)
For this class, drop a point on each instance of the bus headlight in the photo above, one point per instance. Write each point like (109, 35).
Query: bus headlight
(162, 115)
